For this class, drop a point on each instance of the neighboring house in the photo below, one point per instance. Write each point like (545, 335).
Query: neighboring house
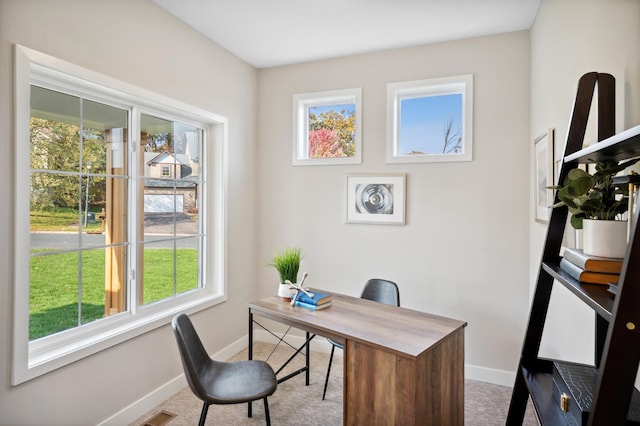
(167, 165)
(170, 182)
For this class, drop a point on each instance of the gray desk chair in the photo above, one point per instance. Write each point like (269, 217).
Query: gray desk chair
(375, 289)
(216, 382)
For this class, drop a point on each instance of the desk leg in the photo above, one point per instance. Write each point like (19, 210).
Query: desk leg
(307, 358)
(250, 351)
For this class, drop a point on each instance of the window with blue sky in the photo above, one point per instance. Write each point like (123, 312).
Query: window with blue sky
(430, 120)
(431, 125)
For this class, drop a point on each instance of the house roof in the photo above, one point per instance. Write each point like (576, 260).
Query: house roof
(165, 158)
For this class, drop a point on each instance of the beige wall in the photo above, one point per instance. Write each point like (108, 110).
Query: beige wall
(463, 252)
(568, 39)
(136, 42)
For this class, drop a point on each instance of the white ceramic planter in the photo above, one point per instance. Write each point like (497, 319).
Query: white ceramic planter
(284, 291)
(605, 238)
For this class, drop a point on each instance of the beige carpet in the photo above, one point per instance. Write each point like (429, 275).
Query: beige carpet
(295, 404)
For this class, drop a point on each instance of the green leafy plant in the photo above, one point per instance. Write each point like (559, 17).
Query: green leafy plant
(594, 196)
(287, 263)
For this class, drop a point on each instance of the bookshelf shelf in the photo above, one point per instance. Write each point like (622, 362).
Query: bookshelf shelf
(594, 295)
(620, 147)
(540, 385)
(610, 389)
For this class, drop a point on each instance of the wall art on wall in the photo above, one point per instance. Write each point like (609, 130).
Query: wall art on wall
(326, 127)
(430, 120)
(543, 169)
(376, 199)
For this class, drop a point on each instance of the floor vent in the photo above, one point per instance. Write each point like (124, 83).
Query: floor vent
(160, 419)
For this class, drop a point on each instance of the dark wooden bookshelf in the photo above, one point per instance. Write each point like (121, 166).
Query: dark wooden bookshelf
(611, 394)
(620, 147)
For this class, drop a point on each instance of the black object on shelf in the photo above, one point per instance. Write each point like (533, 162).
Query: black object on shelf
(573, 388)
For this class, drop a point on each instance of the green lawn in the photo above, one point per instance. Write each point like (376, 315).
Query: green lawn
(54, 286)
(61, 219)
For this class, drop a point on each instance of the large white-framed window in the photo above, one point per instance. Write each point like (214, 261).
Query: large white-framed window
(327, 127)
(430, 120)
(108, 245)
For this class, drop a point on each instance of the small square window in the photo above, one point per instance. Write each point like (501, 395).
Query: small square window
(327, 127)
(430, 120)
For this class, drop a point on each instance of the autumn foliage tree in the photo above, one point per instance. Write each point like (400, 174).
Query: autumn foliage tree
(332, 134)
(324, 143)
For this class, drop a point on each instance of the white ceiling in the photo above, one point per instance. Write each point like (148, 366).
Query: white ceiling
(267, 33)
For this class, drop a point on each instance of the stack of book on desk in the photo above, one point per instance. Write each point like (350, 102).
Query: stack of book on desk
(317, 302)
(591, 269)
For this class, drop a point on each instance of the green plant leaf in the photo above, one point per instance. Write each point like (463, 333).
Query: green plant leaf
(576, 222)
(287, 263)
(594, 196)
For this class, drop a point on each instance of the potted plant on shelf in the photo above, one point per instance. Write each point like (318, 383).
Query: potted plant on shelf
(596, 204)
(287, 263)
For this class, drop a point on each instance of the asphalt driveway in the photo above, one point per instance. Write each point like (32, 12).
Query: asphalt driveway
(156, 227)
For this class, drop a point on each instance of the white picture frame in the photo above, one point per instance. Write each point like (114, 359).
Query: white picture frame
(376, 199)
(544, 175)
(309, 127)
(430, 120)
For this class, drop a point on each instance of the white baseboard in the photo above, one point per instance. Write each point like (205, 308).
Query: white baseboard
(489, 375)
(146, 403)
(318, 344)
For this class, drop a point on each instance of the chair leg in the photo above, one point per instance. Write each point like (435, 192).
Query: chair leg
(266, 411)
(203, 415)
(326, 381)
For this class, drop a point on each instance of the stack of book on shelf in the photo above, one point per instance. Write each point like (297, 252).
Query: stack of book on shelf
(591, 269)
(317, 302)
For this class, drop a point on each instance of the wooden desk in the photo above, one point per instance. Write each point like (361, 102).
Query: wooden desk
(400, 366)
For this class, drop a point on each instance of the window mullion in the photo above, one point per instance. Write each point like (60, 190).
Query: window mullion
(80, 210)
(134, 226)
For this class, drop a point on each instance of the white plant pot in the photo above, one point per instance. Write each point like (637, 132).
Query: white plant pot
(605, 238)
(284, 291)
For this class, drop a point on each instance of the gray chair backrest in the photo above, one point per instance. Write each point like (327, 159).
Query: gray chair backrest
(192, 352)
(383, 291)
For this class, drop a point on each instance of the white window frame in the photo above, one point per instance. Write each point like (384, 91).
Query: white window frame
(301, 104)
(33, 359)
(396, 92)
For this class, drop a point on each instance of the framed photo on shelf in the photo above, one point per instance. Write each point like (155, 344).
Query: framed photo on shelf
(378, 199)
(544, 170)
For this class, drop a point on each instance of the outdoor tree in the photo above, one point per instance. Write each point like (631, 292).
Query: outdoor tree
(337, 124)
(159, 142)
(55, 153)
(452, 138)
(324, 143)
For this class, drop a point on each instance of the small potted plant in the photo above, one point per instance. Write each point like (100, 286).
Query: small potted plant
(596, 205)
(287, 263)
